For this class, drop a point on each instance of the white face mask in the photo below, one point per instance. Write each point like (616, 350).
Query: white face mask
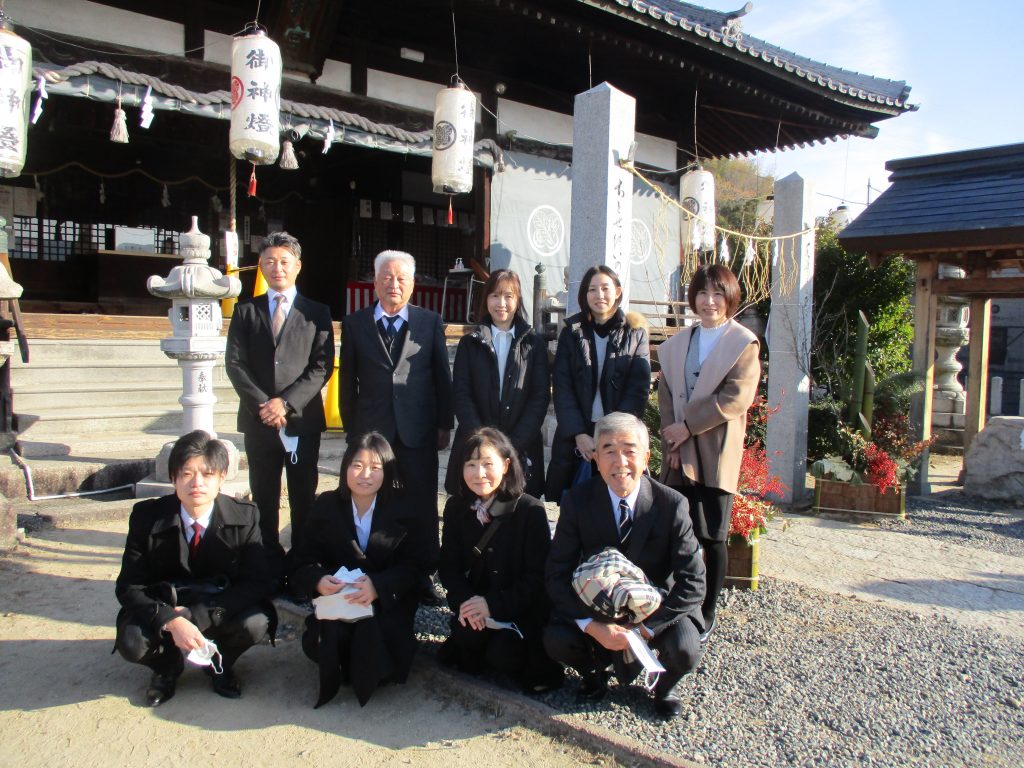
(207, 656)
(291, 445)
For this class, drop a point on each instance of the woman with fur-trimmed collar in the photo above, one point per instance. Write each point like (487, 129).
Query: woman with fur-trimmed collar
(602, 365)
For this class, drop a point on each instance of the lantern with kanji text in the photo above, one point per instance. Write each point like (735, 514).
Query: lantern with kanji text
(15, 85)
(454, 126)
(255, 97)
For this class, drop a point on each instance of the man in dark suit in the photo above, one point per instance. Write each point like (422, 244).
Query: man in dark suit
(194, 570)
(650, 524)
(280, 353)
(395, 379)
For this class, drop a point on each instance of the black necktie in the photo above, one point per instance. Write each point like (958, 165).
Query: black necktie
(625, 521)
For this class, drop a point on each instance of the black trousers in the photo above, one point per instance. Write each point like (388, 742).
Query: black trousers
(138, 643)
(711, 513)
(499, 649)
(678, 647)
(521, 658)
(418, 467)
(266, 456)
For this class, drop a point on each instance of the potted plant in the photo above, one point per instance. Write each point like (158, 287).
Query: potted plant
(751, 508)
(868, 475)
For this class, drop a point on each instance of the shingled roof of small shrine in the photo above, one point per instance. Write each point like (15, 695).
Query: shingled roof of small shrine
(972, 199)
(725, 29)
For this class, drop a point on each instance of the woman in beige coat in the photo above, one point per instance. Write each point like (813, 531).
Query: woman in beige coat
(709, 375)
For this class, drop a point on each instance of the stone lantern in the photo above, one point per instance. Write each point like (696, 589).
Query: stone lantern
(195, 290)
(951, 333)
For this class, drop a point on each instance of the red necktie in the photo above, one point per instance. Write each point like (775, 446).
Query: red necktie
(197, 535)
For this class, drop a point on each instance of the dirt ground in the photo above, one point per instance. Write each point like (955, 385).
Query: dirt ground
(66, 701)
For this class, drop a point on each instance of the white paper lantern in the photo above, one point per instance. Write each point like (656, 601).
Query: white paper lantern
(697, 195)
(255, 98)
(454, 126)
(15, 84)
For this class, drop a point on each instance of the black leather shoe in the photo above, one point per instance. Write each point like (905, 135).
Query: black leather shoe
(668, 705)
(706, 634)
(161, 689)
(225, 684)
(594, 687)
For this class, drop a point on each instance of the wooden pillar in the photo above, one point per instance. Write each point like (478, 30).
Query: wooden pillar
(925, 304)
(977, 372)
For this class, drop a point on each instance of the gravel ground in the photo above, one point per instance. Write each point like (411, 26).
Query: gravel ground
(798, 677)
(972, 522)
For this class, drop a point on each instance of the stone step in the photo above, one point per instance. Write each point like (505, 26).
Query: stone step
(48, 374)
(73, 512)
(53, 426)
(108, 446)
(49, 400)
(43, 351)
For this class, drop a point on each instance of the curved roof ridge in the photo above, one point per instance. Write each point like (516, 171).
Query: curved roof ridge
(721, 28)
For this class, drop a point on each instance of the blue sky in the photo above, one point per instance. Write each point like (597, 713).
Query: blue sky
(957, 56)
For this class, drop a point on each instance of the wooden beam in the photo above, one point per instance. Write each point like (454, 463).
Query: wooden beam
(980, 286)
(977, 371)
(925, 305)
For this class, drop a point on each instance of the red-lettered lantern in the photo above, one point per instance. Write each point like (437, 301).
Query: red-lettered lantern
(255, 98)
(454, 126)
(15, 85)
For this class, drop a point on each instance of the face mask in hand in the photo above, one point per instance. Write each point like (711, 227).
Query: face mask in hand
(291, 445)
(207, 656)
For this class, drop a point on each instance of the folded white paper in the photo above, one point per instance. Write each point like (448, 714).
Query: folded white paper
(336, 607)
(349, 577)
(643, 653)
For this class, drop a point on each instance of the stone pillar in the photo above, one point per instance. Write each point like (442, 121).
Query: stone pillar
(995, 398)
(195, 289)
(789, 336)
(602, 191)
(949, 403)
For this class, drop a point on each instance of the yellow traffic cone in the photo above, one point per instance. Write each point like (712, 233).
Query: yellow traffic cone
(331, 411)
(227, 306)
(261, 284)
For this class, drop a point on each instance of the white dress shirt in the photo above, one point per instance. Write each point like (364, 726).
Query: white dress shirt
(289, 295)
(502, 342)
(401, 318)
(363, 524)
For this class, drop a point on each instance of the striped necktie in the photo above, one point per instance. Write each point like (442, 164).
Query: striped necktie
(625, 521)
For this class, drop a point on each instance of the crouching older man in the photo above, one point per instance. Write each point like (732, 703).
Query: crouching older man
(650, 524)
(194, 571)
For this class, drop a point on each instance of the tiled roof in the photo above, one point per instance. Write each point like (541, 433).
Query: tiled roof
(972, 199)
(724, 29)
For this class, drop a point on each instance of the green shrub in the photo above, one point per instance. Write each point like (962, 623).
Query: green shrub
(652, 419)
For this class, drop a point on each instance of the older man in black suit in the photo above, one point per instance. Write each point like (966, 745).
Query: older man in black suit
(650, 524)
(395, 379)
(194, 570)
(280, 353)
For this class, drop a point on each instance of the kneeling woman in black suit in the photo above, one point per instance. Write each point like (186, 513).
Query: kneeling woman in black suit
(494, 546)
(362, 525)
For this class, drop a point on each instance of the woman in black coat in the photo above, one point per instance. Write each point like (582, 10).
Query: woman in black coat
(494, 545)
(602, 365)
(515, 402)
(388, 544)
